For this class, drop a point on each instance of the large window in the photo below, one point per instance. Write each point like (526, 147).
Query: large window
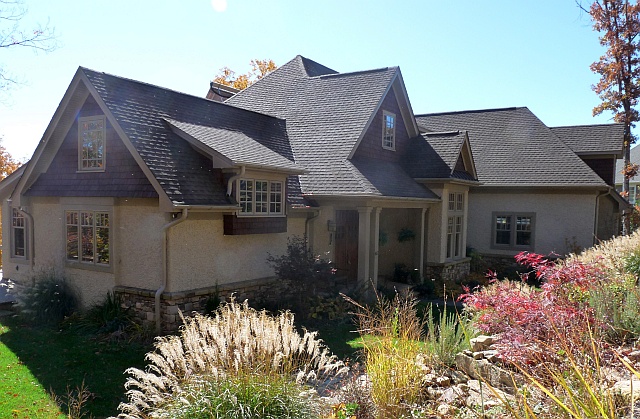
(454, 225)
(513, 231)
(91, 143)
(18, 234)
(388, 130)
(260, 197)
(88, 238)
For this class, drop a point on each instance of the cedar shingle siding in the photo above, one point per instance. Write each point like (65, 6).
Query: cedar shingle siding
(122, 176)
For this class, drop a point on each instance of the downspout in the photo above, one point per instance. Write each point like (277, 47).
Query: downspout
(165, 262)
(306, 228)
(233, 179)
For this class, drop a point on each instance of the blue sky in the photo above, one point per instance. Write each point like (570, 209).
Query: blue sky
(460, 55)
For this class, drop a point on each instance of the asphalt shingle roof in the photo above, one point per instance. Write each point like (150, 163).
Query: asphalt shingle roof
(326, 112)
(433, 156)
(512, 147)
(184, 174)
(592, 139)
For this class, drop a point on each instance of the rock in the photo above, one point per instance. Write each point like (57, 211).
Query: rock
(627, 389)
(634, 356)
(459, 377)
(483, 369)
(429, 380)
(481, 343)
(478, 355)
(450, 395)
(443, 381)
(445, 409)
(491, 356)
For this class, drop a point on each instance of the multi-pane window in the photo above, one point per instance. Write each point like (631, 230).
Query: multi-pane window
(88, 239)
(18, 234)
(388, 130)
(513, 230)
(260, 197)
(91, 143)
(454, 224)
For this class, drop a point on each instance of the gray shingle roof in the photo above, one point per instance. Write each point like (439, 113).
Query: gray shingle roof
(592, 139)
(184, 174)
(434, 156)
(326, 112)
(512, 147)
(236, 146)
(634, 158)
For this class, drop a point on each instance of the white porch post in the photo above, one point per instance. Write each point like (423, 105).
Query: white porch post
(421, 244)
(375, 245)
(364, 245)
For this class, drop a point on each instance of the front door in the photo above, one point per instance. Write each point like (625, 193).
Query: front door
(346, 263)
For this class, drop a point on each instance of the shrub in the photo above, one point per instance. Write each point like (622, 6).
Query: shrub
(49, 300)
(446, 337)
(299, 263)
(234, 347)
(107, 316)
(391, 334)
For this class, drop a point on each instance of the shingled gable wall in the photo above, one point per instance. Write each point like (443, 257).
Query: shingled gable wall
(122, 176)
(371, 145)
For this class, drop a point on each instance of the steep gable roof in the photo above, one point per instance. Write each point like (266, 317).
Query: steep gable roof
(592, 139)
(436, 156)
(326, 114)
(185, 175)
(512, 147)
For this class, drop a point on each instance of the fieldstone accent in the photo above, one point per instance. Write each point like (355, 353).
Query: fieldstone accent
(483, 369)
(481, 343)
(142, 301)
(454, 271)
(627, 389)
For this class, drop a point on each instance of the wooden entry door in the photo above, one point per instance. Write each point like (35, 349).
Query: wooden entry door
(347, 244)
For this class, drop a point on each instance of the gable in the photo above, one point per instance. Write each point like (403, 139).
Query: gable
(122, 177)
(371, 144)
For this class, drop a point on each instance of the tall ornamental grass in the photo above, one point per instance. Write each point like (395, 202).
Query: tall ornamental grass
(238, 363)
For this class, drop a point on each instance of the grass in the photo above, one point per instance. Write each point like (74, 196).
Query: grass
(37, 363)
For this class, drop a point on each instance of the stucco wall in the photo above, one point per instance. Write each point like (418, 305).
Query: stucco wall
(392, 220)
(559, 218)
(200, 255)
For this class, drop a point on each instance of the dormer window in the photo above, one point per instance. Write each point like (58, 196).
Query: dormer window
(91, 143)
(388, 130)
(260, 197)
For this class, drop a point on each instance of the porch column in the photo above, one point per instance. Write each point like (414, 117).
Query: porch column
(375, 245)
(364, 245)
(421, 241)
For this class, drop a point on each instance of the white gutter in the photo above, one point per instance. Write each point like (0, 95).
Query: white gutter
(233, 179)
(165, 269)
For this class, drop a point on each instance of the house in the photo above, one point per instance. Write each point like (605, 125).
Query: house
(541, 189)
(634, 182)
(166, 198)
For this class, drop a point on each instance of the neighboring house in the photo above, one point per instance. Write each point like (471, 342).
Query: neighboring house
(165, 197)
(634, 182)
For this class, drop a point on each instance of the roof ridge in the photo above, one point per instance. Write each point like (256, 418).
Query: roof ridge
(306, 61)
(351, 73)
(176, 92)
(513, 108)
(588, 125)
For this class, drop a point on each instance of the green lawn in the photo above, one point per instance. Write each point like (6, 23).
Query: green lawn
(37, 363)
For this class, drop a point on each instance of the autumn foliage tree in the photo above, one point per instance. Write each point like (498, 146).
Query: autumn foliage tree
(618, 22)
(8, 165)
(259, 69)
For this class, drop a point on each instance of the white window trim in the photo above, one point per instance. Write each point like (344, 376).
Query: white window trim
(384, 131)
(81, 120)
(513, 231)
(455, 239)
(268, 213)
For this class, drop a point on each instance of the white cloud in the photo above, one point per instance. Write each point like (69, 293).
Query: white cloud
(219, 5)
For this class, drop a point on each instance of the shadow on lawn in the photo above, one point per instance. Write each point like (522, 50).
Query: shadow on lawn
(62, 359)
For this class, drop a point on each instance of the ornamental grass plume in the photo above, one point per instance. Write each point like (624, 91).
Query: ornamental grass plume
(235, 344)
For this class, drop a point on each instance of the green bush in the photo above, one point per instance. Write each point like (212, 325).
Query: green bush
(49, 300)
(446, 336)
(108, 316)
(300, 264)
(616, 306)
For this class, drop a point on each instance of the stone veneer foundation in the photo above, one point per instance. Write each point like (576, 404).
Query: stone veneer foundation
(258, 292)
(449, 271)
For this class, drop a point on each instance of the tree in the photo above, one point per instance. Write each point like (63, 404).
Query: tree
(259, 69)
(8, 165)
(618, 22)
(13, 35)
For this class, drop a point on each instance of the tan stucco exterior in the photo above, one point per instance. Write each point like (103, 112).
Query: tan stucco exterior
(562, 219)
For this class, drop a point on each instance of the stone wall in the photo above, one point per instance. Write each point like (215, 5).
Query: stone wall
(258, 292)
(454, 271)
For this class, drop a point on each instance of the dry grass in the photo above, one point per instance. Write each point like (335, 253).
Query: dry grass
(237, 341)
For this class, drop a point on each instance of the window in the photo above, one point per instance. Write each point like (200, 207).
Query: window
(18, 234)
(260, 197)
(388, 130)
(454, 225)
(513, 230)
(88, 237)
(91, 143)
